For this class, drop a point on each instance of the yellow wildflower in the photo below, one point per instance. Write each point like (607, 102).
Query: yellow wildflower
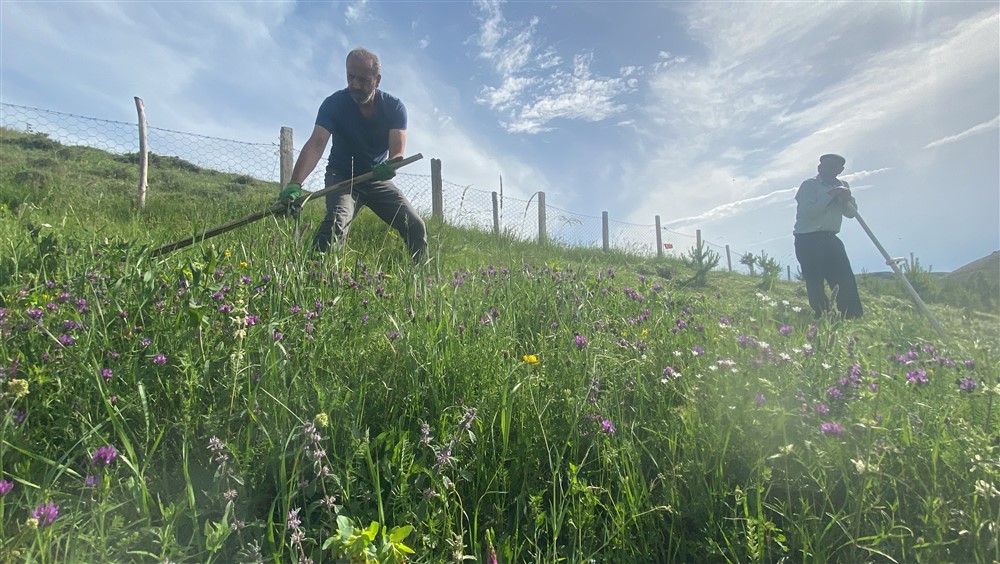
(321, 420)
(226, 253)
(530, 358)
(243, 264)
(17, 388)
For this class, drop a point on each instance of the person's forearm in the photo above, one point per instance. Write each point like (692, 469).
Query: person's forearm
(306, 163)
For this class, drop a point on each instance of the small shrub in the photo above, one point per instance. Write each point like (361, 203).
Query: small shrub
(33, 179)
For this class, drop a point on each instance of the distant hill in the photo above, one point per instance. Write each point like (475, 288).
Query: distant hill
(975, 285)
(989, 265)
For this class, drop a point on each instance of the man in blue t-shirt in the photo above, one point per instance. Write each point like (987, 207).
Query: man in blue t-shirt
(368, 127)
(822, 204)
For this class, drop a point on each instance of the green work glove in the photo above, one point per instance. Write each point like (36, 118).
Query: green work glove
(382, 171)
(291, 192)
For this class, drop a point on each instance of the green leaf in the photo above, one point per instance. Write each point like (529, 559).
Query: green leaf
(397, 534)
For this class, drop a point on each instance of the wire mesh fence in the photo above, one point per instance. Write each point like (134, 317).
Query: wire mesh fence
(463, 205)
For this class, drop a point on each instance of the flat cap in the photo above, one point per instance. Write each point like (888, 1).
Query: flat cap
(833, 157)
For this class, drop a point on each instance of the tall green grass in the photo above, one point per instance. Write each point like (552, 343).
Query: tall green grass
(503, 402)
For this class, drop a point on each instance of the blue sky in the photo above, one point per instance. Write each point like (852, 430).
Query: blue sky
(708, 114)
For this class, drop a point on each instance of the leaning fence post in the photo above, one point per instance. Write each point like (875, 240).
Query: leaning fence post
(496, 216)
(143, 153)
(729, 259)
(542, 235)
(287, 160)
(604, 230)
(659, 239)
(437, 195)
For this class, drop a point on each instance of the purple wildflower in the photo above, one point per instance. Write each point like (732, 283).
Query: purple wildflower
(6, 486)
(466, 423)
(607, 427)
(393, 335)
(293, 521)
(91, 481)
(45, 514)
(581, 342)
(697, 350)
(831, 428)
(786, 330)
(35, 313)
(967, 385)
(159, 359)
(760, 398)
(106, 373)
(916, 377)
(104, 456)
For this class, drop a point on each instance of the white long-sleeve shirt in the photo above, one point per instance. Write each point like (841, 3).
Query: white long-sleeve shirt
(817, 209)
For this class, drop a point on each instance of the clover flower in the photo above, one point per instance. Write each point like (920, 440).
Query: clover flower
(6, 486)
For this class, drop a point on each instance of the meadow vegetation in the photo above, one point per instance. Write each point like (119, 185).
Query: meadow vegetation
(244, 400)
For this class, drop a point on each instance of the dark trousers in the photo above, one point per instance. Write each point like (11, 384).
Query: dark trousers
(382, 197)
(824, 260)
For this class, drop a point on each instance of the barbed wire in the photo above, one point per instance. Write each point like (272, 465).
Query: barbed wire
(464, 205)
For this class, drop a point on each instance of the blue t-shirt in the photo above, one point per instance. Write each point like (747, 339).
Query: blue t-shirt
(356, 137)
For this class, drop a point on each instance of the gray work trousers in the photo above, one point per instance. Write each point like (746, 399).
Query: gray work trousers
(382, 197)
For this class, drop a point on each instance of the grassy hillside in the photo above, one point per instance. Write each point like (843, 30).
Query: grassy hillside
(243, 400)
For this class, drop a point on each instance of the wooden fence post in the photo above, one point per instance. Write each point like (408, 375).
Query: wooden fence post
(437, 195)
(659, 239)
(542, 234)
(143, 153)
(698, 234)
(496, 216)
(789, 267)
(604, 231)
(287, 151)
(729, 259)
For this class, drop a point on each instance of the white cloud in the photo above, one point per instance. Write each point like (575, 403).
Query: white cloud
(710, 108)
(533, 89)
(731, 209)
(424, 42)
(974, 130)
(728, 135)
(356, 11)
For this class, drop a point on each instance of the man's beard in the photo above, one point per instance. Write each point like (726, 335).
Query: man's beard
(361, 97)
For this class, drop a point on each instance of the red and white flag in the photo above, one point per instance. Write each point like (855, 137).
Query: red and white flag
(668, 246)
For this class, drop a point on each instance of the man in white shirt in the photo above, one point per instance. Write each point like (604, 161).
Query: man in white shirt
(823, 203)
